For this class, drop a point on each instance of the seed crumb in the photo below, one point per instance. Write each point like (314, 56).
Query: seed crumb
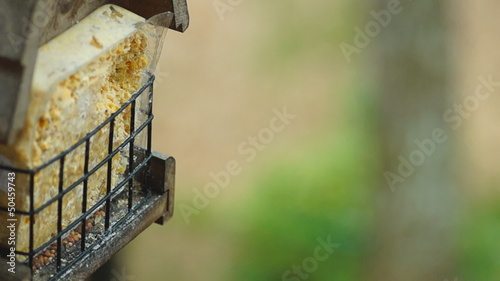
(115, 12)
(94, 42)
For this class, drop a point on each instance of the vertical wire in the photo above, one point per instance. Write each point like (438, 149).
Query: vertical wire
(131, 157)
(109, 175)
(84, 197)
(59, 212)
(32, 219)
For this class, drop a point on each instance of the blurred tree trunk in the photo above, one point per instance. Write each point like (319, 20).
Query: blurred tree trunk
(416, 202)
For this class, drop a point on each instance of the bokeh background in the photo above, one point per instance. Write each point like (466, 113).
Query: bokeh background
(218, 84)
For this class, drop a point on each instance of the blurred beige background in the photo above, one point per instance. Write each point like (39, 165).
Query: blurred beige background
(477, 55)
(217, 85)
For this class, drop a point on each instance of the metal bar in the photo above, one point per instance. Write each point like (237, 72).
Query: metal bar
(84, 195)
(92, 133)
(32, 219)
(96, 167)
(89, 211)
(109, 177)
(156, 207)
(150, 115)
(119, 236)
(59, 213)
(131, 157)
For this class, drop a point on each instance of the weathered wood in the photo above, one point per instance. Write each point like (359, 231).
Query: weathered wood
(414, 215)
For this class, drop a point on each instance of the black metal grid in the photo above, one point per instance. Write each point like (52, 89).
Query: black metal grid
(138, 162)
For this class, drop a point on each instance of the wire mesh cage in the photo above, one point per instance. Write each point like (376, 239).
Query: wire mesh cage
(90, 195)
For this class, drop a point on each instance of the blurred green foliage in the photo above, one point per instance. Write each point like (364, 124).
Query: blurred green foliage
(296, 29)
(325, 186)
(478, 257)
(323, 190)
